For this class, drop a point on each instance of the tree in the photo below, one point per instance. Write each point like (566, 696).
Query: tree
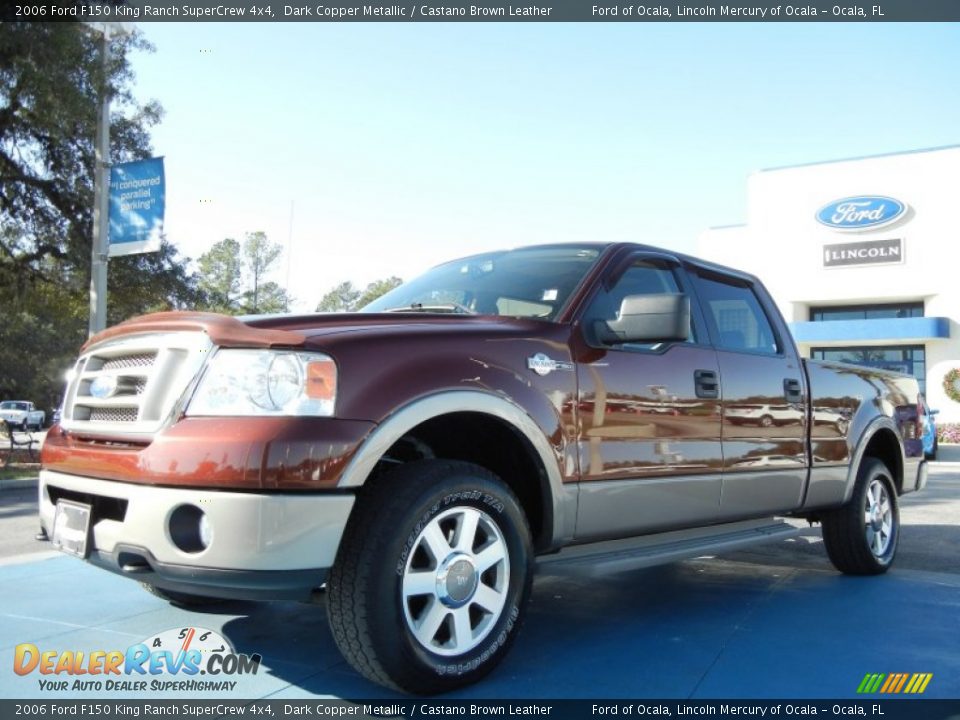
(43, 328)
(378, 288)
(233, 277)
(346, 298)
(259, 256)
(342, 298)
(220, 276)
(51, 80)
(271, 298)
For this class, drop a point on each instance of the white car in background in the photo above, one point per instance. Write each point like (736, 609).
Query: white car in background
(22, 414)
(762, 415)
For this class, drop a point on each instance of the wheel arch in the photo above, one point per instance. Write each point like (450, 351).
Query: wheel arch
(486, 430)
(881, 441)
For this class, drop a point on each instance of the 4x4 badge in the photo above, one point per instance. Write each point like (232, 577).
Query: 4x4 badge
(543, 365)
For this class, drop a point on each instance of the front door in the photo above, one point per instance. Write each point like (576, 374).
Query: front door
(649, 418)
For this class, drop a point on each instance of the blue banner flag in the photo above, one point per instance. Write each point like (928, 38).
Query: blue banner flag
(137, 198)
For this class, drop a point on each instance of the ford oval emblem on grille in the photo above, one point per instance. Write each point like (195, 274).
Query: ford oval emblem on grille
(861, 213)
(104, 386)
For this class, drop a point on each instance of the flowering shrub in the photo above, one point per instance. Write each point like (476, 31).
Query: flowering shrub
(948, 433)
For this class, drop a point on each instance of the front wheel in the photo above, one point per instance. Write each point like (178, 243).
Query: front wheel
(862, 536)
(432, 577)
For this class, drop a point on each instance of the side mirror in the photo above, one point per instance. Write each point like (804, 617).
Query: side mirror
(933, 412)
(647, 318)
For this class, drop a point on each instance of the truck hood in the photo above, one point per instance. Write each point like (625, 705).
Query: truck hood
(298, 330)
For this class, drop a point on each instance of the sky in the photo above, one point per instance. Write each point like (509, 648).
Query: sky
(378, 149)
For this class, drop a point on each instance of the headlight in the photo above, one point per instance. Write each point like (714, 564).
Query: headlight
(266, 382)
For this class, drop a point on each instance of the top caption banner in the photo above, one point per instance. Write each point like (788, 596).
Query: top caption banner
(487, 11)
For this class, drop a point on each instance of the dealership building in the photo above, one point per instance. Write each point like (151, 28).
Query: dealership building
(863, 258)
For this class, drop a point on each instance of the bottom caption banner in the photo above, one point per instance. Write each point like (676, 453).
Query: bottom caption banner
(916, 709)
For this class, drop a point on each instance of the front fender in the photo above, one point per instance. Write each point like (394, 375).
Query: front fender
(563, 498)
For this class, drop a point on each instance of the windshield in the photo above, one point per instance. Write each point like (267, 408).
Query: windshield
(529, 282)
(12, 405)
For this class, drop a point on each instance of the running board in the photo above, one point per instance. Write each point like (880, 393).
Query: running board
(614, 556)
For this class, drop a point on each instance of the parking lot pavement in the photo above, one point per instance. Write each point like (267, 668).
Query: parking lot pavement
(772, 622)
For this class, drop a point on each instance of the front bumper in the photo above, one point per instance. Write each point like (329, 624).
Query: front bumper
(264, 546)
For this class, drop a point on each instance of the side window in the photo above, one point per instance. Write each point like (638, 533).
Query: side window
(738, 319)
(644, 277)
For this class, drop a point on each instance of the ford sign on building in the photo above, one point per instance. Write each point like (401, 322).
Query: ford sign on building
(860, 213)
(862, 257)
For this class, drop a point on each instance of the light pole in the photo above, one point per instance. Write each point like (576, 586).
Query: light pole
(101, 183)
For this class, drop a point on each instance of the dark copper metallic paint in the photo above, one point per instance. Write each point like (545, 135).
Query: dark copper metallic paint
(223, 330)
(238, 453)
(634, 415)
(640, 416)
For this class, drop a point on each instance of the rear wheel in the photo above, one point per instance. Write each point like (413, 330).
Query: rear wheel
(862, 536)
(432, 577)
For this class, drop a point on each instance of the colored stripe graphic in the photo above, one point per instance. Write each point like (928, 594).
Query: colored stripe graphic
(894, 683)
(870, 683)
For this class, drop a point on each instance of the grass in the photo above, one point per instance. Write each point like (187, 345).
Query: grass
(12, 471)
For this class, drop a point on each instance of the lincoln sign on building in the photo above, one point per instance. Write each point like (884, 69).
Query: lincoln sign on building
(863, 253)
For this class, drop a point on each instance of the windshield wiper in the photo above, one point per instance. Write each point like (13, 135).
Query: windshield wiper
(434, 308)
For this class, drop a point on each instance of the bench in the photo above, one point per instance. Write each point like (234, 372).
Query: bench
(12, 440)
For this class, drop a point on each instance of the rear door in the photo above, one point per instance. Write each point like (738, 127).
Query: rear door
(765, 399)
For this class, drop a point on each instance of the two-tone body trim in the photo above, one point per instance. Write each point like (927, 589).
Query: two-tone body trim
(560, 499)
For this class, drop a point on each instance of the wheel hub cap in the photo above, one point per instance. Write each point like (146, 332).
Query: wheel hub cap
(455, 584)
(456, 580)
(878, 519)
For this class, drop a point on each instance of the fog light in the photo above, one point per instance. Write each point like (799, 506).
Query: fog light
(206, 531)
(186, 529)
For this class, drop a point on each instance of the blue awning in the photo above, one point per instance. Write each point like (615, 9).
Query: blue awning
(892, 329)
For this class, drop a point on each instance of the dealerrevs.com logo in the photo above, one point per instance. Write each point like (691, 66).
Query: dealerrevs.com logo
(171, 661)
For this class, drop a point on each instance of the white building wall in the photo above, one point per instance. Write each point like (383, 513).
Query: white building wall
(782, 243)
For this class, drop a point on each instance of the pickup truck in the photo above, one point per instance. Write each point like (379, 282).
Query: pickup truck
(22, 414)
(571, 407)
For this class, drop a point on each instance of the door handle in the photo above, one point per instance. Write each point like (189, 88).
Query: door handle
(792, 390)
(706, 384)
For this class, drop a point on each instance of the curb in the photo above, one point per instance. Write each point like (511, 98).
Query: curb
(17, 483)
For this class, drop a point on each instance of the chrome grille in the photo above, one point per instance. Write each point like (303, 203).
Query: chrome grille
(140, 360)
(113, 415)
(132, 386)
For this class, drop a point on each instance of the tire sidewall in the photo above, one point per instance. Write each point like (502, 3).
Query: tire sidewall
(461, 490)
